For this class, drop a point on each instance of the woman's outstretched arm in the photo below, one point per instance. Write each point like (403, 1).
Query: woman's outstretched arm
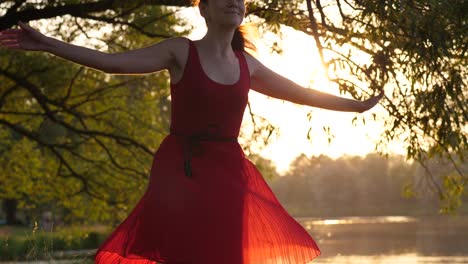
(145, 60)
(266, 81)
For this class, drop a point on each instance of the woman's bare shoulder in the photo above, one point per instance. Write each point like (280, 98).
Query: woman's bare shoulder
(252, 62)
(180, 53)
(179, 50)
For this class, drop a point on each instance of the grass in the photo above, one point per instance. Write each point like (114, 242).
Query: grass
(71, 242)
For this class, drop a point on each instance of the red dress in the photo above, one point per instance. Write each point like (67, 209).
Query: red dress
(206, 203)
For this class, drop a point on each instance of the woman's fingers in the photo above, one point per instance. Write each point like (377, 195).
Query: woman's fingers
(8, 37)
(9, 40)
(371, 102)
(10, 31)
(16, 46)
(15, 31)
(10, 45)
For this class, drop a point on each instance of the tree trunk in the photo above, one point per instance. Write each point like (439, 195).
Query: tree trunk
(9, 208)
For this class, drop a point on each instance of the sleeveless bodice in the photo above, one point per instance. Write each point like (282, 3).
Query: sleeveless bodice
(202, 106)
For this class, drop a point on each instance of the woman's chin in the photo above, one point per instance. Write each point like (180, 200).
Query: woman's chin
(232, 23)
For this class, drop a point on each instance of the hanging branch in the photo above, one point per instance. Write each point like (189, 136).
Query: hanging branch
(315, 33)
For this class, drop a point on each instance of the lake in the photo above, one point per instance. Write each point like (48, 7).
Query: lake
(390, 239)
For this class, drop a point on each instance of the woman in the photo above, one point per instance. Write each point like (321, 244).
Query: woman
(205, 202)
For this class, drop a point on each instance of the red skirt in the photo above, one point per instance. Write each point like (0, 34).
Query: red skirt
(223, 213)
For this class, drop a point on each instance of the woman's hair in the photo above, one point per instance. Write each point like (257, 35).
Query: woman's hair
(240, 40)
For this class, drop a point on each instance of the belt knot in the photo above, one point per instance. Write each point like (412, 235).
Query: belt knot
(192, 141)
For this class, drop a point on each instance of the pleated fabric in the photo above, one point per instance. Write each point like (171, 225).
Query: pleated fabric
(224, 212)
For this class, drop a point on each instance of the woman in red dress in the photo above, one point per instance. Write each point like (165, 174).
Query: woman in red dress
(205, 201)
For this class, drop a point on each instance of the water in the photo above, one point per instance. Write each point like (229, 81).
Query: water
(393, 259)
(390, 239)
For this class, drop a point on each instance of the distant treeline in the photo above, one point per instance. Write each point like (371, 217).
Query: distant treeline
(353, 185)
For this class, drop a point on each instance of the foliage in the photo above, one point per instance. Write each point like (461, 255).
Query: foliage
(36, 244)
(415, 50)
(265, 166)
(76, 138)
(363, 186)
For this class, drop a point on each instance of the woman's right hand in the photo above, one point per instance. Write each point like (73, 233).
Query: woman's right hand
(24, 38)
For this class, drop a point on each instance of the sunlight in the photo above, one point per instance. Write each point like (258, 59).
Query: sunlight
(299, 62)
(358, 220)
(408, 258)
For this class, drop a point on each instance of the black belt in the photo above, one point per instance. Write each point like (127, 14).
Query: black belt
(190, 141)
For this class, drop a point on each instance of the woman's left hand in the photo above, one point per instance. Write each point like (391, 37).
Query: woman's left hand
(371, 102)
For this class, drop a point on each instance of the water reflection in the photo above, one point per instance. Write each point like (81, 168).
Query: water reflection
(392, 259)
(359, 220)
(390, 239)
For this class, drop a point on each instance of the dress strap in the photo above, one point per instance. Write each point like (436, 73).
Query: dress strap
(244, 67)
(192, 54)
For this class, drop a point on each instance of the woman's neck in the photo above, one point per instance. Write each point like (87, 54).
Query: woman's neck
(218, 42)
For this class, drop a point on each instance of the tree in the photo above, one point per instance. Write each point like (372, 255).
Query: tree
(353, 185)
(73, 137)
(416, 50)
(265, 166)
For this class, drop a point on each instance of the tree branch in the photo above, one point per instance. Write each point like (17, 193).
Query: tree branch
(43, 102)
(11, 18)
